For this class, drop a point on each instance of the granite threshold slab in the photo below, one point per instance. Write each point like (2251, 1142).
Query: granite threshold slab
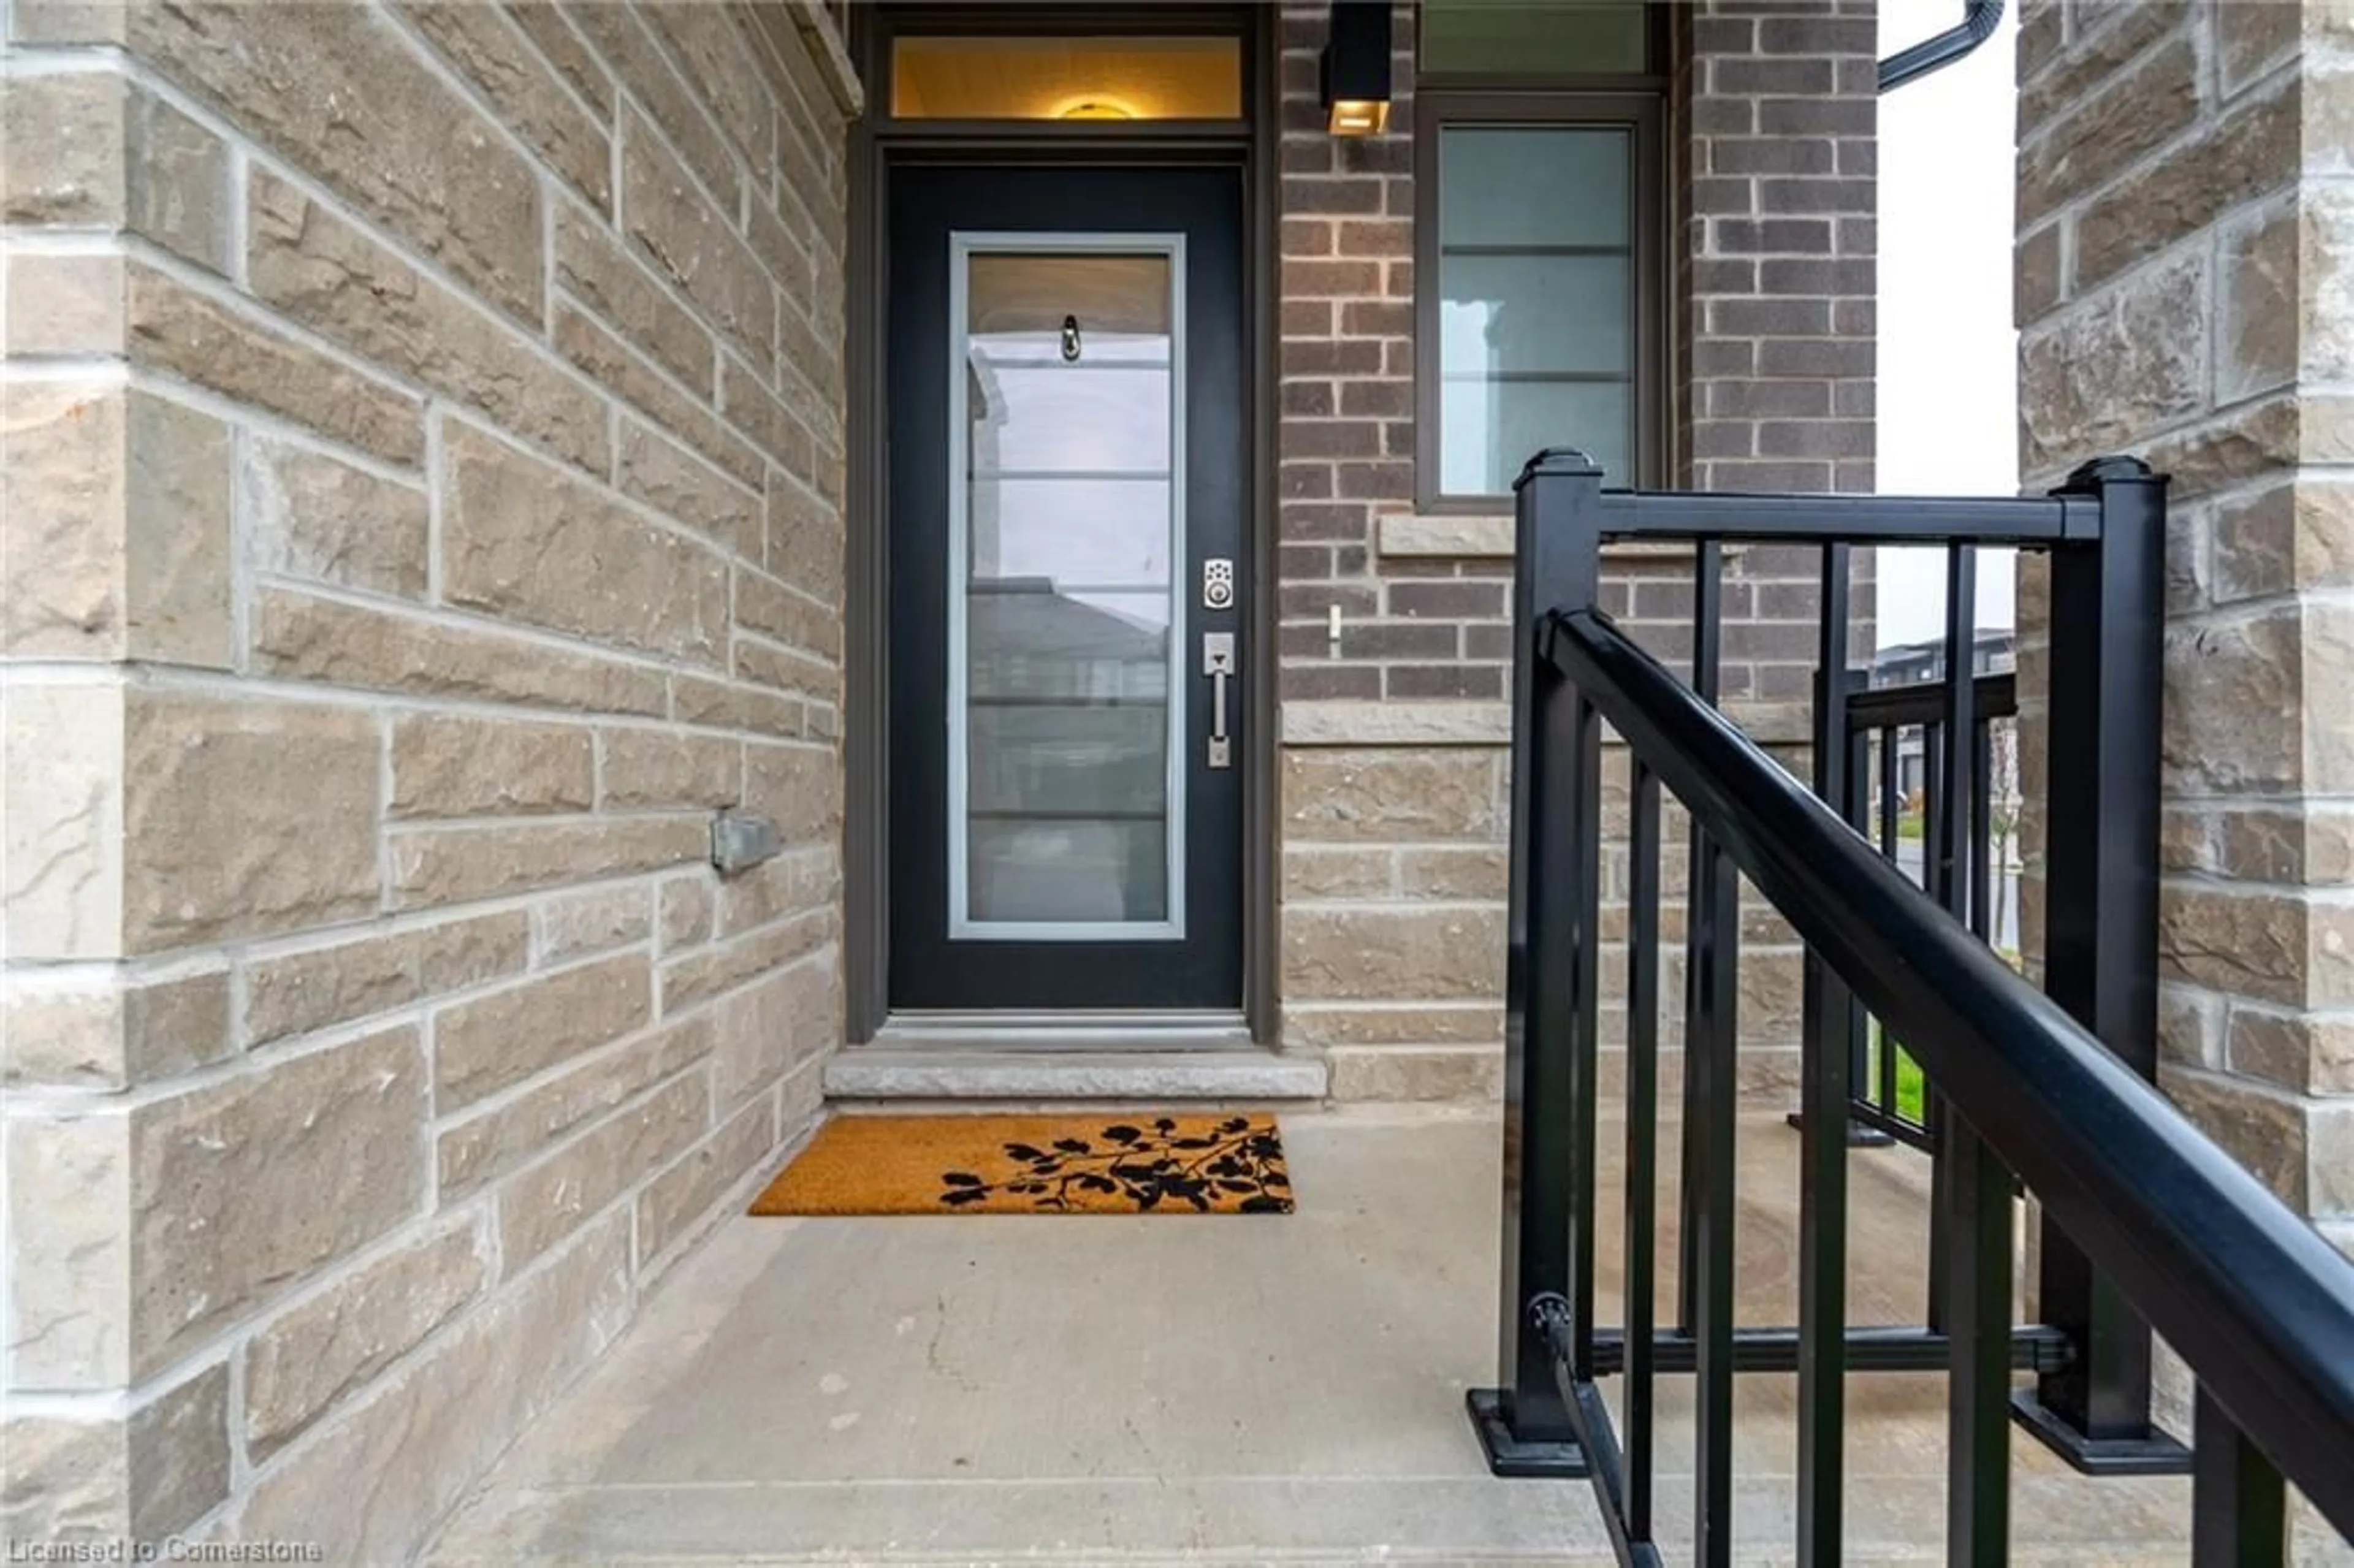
(1129, 1074)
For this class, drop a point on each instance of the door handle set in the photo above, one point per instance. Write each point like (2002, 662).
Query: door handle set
(1218, 663)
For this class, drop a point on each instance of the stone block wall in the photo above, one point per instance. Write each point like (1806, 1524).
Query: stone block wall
(2186, 249)
(1393, 785)
(2185, 243)
(423, 473)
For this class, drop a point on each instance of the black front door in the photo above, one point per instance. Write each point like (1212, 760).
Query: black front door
(1068, 487)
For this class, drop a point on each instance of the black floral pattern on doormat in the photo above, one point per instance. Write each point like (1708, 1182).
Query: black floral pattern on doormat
(1236, 1166)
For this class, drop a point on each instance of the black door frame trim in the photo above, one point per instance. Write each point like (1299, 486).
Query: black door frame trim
(877, 144)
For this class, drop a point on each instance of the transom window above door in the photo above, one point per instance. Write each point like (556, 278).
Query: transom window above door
(973, 78)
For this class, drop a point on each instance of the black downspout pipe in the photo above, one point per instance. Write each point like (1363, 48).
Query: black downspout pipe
(1979, 19)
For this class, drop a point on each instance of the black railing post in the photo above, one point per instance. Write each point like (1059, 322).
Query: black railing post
(1525, 1425)
(2100, 941)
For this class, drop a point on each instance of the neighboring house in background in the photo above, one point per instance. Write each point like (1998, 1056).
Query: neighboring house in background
(1923, 664)
(1907, 663)
(1903, 664)
(454, 451)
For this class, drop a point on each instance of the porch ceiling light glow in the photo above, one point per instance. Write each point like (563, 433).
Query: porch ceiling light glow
(1094, 109)
(1352, 75)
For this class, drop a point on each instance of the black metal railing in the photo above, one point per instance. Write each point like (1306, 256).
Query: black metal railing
(1885, 728)
(2145, 1223)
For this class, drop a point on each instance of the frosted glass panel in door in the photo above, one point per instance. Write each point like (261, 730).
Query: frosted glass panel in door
(1064, 805)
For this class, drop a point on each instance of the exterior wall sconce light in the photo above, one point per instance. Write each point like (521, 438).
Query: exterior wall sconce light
(1352, 75)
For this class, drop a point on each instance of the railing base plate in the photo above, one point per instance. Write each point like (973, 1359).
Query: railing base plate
(1513, 1458)
(2155, 1455)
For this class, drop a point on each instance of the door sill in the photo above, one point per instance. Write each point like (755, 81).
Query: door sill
(1032, 1034)
(966, 1077)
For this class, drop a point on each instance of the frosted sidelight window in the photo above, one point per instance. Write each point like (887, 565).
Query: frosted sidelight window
(1537, 301)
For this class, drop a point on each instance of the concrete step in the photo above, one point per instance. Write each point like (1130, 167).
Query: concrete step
(967, 1074)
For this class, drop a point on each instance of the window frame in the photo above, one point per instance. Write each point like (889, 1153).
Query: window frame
(1633, 103)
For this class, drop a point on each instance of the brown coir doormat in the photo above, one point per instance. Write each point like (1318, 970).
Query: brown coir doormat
(1086, 1164)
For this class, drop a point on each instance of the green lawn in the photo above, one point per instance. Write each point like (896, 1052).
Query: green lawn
(1911, 1083)
(1910, 1087)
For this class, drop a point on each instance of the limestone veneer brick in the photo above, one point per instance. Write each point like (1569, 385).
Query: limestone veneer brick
(413, 551)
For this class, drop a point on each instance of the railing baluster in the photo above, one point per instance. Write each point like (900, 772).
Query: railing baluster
(1946, 862)
(1981, 839)
(1978, 1451)
(1583, 760)
(1892, 805)
(1525, 1425)
(1933, 811)
(1887, 1072)
(2239, 1510)
(1823, 1137)
(1857, 809)
(1891, 808)
(1642, 1136)
(1711, 1128)
(1707, 669)
(1712, 943)
(1972, 1191)
(1857, 805)
(1945, 873)
(1891, 789)
(1958, 720)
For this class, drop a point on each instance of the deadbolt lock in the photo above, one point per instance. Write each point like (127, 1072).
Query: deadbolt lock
(1217, 583)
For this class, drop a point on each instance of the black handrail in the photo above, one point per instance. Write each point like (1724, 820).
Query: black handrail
(2255, 1300)
(2142, 1218)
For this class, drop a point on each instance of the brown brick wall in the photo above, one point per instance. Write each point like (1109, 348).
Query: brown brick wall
(1776, 172)
(1392, 835)
(1345, 440)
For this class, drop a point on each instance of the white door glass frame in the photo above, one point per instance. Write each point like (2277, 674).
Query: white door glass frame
(963, 246)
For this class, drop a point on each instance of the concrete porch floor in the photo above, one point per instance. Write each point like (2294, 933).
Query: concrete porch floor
(1160, 1390)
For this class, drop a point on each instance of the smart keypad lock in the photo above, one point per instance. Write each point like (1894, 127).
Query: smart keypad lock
(1217, 583)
